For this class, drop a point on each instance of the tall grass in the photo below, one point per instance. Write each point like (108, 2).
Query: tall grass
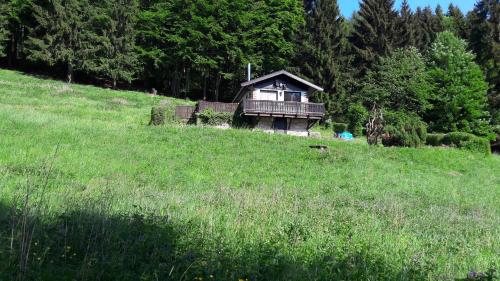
(125, 201)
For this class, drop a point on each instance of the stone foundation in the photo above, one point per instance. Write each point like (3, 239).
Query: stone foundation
(296, 127)
(265, 124)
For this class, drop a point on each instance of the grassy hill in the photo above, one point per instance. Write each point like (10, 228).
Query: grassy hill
(88, 191)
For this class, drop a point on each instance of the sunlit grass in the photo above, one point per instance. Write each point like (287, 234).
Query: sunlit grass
(238, 204)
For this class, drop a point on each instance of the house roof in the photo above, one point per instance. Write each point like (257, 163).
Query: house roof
(278, 73)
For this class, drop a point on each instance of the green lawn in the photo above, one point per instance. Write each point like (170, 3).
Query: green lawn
(110, 198)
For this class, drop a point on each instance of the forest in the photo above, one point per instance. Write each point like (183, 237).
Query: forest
(436, 69)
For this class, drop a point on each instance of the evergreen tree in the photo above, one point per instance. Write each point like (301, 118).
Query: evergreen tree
(112, 52)
(428, 25)
(321, 50)
(438, 20)
(59, 34)
(455, 22)
(375, 32)
(406, 25)
(460, 103)
(4, 31)
(484, 40)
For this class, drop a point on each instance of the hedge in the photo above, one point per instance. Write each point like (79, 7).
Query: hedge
(212, 118)
(404, 129)
(339, 127)
(157, 116)
(435, 139)
(461, 140)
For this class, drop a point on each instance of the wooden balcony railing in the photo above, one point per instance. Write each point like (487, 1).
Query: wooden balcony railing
(283, 108)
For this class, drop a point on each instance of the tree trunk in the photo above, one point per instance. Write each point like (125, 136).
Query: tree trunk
(188, 83)
(217, 86)
(204, 86)
(175, 82)
(114, 83)
(11, 50)
(69, 73)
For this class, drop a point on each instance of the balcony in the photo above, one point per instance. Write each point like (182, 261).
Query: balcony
(283, 109)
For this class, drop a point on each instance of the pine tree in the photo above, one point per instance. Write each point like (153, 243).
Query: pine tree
(375, 32)
(112, 53)
(456, 21)
(406, 25)
(321, 49)
(484, 39)
(58, 37)
(4, 32)
(425, 26)
(438, 20)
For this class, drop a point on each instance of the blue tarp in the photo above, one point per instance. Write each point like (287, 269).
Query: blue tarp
(346, 136)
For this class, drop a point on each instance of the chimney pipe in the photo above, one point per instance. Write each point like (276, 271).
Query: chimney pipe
(249, 71)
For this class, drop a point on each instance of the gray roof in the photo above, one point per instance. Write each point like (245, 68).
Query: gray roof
(281, 72)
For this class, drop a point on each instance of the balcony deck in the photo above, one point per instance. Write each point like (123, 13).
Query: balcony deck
(283, 109)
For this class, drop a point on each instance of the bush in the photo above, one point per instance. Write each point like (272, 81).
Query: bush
(435, 139)
(357, 116)
(468, 141)
(212, 118)
(157, 116)
(404, 130)
(339, 127)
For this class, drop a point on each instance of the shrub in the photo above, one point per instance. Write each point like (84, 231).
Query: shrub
(157, 116)
(468, 141)
(212, 118)
(339, 127)
(357, 116)
(435, 139)
(327, 124)
(403, 129)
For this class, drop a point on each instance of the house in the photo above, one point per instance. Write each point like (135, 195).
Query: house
(279, 102)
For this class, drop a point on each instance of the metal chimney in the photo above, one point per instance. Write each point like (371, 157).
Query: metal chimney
(249, 71)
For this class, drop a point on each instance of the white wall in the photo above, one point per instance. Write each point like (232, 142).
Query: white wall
(304, 97)
(267, 95)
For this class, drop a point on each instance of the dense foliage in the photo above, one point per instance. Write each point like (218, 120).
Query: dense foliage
(4, 32)
(404, 130)
(399, 83)
(460, 100)
(213, 118)
(200, 49)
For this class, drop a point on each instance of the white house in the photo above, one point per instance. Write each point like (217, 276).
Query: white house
(279, 102)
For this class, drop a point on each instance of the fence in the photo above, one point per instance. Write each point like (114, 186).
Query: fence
(184, 111)
(218, 106)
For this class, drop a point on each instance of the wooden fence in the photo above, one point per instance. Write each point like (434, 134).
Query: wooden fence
(184, 111)
(187, 111)
(218, 106)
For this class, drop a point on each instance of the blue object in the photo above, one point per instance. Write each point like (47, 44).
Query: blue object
(346, 136)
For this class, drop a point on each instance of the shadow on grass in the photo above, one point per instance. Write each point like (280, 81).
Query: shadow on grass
(89, 245)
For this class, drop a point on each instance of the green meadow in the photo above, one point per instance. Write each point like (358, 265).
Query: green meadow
(89, 191)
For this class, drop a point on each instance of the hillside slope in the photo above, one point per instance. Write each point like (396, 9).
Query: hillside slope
(111, 198)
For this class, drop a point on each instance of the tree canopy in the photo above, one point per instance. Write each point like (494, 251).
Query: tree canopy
(460, 100)
(199, 49)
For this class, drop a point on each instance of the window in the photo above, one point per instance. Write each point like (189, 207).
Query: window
(293, 96)
(268, 95)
